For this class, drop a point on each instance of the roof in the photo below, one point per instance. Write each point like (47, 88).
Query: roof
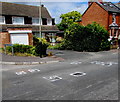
(108, 6)
(24, 10)
(118, 4)
(44, 28)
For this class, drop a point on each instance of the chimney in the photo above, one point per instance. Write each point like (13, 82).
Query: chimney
(91, 1)
(100, 1)
(42, 5)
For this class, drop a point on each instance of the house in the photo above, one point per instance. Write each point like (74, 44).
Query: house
(106, 14)
(118, 4)
(20, 22)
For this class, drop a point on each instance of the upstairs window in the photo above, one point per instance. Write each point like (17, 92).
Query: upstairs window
(44, 21)
(18, 20)
(2, 20)
(35, 21)
(49, 21)
(53, 21)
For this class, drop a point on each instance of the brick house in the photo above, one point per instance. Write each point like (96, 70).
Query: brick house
(106, 14)
(20, 22)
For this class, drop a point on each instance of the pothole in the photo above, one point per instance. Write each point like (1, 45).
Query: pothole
(77, 74)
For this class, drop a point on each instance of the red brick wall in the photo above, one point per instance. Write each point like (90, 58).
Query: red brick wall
(110, 19)
(30, 35)
(4, 38)
(117, 19)
(95, 14)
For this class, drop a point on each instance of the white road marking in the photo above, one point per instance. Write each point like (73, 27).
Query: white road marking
(53, 78)
(33, 70)
(21, 73)
(29, 70)
(76, 62)
(89, 86)
(103, 63)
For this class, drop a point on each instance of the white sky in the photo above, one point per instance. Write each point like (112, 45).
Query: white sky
(54, 0)
(58, 7)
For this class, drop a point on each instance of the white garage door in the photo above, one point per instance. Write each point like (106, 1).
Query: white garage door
(19, 39)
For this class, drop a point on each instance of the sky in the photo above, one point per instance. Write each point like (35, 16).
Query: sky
(58, 7)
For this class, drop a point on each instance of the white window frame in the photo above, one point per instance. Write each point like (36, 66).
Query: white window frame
(49, 23)
(17, 17)
(3, 17)
(35, 23)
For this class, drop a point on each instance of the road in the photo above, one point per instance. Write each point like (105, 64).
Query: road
(81, 76)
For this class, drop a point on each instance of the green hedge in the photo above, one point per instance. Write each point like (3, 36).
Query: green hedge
(19, 48)
(34, 50)
(92, 37)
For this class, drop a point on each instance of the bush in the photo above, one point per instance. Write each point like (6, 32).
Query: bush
(92, 37)
(19, 48)
(41, 47)
(59, 46)
(35, 41)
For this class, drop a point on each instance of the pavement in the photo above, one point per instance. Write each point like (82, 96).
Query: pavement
(58, 56)
(22, 60)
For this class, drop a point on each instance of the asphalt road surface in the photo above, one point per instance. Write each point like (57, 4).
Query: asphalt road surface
(81, 76)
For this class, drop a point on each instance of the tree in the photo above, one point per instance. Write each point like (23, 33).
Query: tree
(92, 37)
(68, 19)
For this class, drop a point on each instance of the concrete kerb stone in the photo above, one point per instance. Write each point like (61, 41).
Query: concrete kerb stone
(27, 63)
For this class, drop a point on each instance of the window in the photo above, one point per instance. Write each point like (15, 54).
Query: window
(49, 21)
(44, 21)
(113, 18)
(2, 20)
(18, 20)
(35, 21)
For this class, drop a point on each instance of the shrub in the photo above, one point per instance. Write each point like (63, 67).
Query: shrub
(41, 47)
(19, 48)
(35, 41)
(92, 37)
(59, 46)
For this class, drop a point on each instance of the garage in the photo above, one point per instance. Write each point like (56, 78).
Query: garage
(19, 39)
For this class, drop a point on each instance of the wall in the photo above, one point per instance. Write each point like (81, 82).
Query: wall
(95, 14)
(4, 38)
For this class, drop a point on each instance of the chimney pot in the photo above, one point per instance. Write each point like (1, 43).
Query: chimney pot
(42, 5)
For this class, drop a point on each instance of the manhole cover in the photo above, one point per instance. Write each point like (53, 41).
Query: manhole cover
(53, 78)
(77, 74)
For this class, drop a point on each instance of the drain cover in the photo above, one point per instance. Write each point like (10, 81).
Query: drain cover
(53, 78)
(77, 74)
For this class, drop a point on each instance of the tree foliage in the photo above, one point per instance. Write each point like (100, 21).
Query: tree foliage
(68, 19)
(92, 37)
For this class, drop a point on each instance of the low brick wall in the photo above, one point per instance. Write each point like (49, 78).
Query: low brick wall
(4, 38)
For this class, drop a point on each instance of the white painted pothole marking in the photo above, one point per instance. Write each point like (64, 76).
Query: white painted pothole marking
(89, 86)
(104, 63)
(33, 70)
(21, 73)
(29, 70)
(53, 78)
(76, 62)
(77, 74)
